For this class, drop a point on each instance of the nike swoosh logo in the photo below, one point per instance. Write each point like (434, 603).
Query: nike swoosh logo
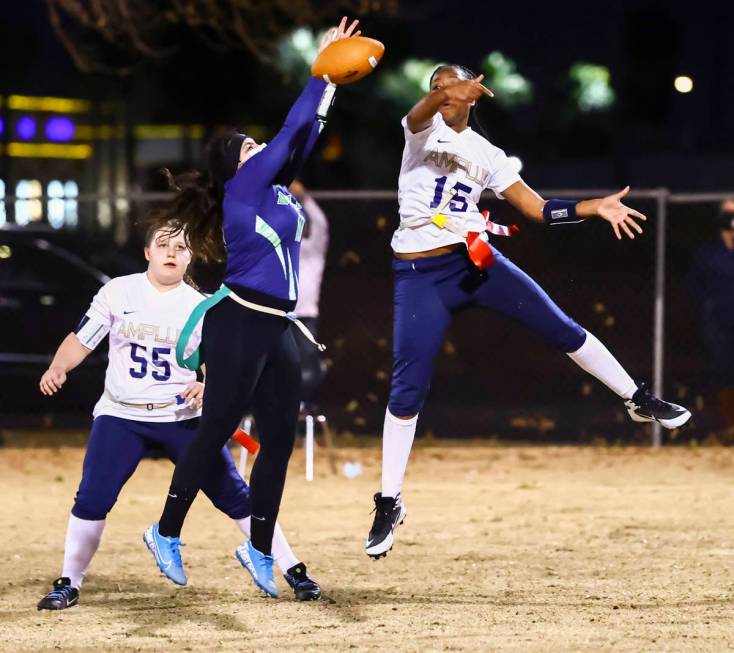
(128, 312)
(258, 518)
(440, 141)
(164, 562)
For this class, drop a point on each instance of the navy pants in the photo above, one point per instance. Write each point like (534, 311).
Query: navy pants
(117, 445)
(428, 291)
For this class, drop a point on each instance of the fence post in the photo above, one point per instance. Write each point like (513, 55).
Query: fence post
(659, 313)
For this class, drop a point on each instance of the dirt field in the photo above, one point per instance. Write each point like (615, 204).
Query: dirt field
(503, 549)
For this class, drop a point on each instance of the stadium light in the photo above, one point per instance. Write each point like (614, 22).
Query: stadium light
(409, 83)
(683, 84)
(296, 51)
(592, 88)
(500, 74)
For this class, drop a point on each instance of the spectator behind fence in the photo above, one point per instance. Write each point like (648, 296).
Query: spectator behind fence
(711, 283)
(313, 257)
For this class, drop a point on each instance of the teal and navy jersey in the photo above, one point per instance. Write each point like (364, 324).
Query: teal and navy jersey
(263, 222)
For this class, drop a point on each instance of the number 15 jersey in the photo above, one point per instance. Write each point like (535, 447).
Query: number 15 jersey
(143, 324)
(435, 161)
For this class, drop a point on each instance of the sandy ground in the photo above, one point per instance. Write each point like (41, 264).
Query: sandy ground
(503, 549)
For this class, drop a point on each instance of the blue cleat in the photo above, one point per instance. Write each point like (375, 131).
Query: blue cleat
(167, 555)
(260, 567)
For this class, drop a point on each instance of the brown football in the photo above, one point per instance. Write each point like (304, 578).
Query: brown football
(347, 60)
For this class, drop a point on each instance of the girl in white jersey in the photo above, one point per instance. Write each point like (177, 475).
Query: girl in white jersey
(149, 402)
(444, 263)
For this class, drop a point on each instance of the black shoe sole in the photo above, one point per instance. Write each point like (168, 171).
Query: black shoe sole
(308, 596)
(377, 556)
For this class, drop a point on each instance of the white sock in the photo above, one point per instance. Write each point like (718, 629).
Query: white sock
(82, 541)
(595, 358)
(281, 550)
(397, 441)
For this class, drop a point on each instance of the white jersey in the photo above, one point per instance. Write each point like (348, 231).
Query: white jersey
(435, 161)
(143, 324)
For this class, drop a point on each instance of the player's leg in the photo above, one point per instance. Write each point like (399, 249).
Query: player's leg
(509, 290)
(275, 408)
(420, 318)
(227, 490)
(114, 451)
(235, 345)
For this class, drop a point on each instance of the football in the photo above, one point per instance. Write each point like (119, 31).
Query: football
(347, 60)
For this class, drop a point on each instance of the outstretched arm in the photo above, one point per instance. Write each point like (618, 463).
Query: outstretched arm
(609, 208)
(285, 154)
(70, 354)
(301, 152)
(261, 170)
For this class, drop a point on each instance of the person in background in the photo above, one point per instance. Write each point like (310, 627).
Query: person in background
(711, 284)
(314, 245)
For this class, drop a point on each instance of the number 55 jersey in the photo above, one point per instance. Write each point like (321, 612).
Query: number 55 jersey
(436, 163)
(142, 378)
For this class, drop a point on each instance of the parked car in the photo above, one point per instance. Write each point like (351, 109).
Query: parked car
(45, 289)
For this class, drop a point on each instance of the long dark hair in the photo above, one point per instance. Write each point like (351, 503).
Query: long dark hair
(463, 73)
(196, 206)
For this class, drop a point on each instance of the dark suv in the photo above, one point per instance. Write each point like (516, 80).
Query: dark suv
(45, 289)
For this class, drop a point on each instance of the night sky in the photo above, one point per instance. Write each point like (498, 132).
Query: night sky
(644, 44)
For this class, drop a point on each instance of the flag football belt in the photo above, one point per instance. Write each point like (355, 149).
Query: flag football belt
(477, 243)
(193, 362)
(148, 406)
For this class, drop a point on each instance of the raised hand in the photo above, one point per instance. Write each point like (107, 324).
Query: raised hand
(621, 217)
(464, 90)
(338, 33)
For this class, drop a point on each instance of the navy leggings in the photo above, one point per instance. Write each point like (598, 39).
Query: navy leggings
(428, 291)
(252, 366)
(117, 445)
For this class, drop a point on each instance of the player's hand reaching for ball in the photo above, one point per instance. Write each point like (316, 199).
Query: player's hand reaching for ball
(338, 33)
(621, 217)
(193, 396)
(52, 380)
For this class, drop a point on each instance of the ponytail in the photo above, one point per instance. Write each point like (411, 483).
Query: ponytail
(196, 207)
(195, 210)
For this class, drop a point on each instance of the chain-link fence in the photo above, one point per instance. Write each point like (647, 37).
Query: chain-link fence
(492, 378)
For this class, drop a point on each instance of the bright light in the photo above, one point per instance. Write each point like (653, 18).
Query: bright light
(592, 88)
(28, 205)
(408, 83)
(53, 104)
(683, 84)
(59, 128)
(515, 163)
(500, 74)
(25, 128)
(71, 206)
(55, 209)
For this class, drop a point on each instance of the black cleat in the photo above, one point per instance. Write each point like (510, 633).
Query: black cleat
(305, 587)
(61, 597)
(646, 407)
(389, 514)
